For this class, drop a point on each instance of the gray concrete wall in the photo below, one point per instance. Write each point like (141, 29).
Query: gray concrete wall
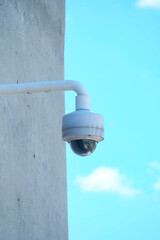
(33, 195)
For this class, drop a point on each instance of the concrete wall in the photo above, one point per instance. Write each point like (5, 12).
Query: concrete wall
(33, 198)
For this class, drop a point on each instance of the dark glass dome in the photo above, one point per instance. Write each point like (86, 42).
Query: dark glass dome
(83, 147)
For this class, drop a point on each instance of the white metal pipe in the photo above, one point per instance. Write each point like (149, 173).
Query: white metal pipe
(50, 86)
(36, 87)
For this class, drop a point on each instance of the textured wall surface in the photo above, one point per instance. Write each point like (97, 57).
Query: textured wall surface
(33, 194)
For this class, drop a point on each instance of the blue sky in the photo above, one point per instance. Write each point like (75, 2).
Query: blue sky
(113, 48)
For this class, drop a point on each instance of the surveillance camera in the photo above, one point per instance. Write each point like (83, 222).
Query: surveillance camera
(83, 129)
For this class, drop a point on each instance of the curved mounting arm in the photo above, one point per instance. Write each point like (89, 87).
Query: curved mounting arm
(82, 98)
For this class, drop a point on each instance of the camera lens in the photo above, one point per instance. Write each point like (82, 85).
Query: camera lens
(83, 147)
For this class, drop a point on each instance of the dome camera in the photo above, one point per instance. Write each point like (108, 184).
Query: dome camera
(83, 130)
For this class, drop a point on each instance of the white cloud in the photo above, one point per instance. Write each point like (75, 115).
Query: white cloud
(148, 3)
(106, 179)
(155, 165)
(156, 185)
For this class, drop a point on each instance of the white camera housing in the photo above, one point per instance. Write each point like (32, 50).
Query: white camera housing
(83, 129)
